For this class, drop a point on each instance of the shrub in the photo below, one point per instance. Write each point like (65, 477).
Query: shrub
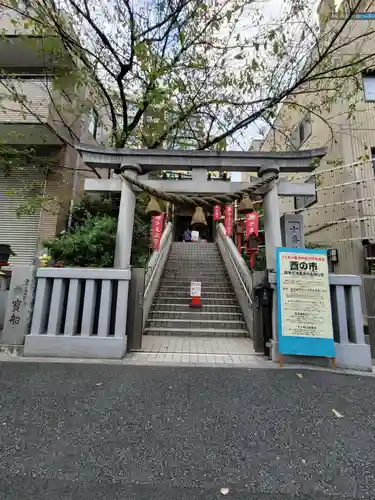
(91, 244)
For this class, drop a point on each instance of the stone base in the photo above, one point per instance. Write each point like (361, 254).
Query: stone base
(75, 347)
(348, 356)
(354, 356)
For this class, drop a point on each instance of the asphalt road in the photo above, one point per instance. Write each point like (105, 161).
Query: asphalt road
(92, 432)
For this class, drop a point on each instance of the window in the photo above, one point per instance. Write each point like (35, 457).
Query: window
(373, 158)
(301, 132)
(369, 86)
(301, 202)
(93, 123)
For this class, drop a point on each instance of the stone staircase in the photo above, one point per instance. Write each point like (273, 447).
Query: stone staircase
(220, 315)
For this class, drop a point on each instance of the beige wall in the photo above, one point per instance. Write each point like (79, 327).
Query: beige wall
(43, 105)
(348, 141)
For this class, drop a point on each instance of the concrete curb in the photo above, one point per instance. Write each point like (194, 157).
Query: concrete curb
(124, 362)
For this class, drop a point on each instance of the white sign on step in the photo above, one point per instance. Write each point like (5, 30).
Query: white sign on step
(195, 289)
(195, 236)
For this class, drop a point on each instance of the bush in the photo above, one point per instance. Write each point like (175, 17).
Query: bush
(141, 233)
(91, 206)
(91, 244)
(91, 240)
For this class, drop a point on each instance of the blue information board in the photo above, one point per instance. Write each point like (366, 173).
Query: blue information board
(304, 303)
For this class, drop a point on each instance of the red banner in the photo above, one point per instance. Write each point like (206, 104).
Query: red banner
(217, 212)
(252, 224)
(229, 220)
(157, 230)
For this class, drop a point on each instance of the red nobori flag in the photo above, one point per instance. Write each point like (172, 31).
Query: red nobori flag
(229, 219)
(217, 212)
(252, 224)
(157, 230)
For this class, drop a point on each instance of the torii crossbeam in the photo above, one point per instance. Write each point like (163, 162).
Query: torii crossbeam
(137, 163)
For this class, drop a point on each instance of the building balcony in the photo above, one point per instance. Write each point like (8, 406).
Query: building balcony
(28, 112)
(21, 48)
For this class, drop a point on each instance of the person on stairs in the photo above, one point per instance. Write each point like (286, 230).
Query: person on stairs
(187, 235)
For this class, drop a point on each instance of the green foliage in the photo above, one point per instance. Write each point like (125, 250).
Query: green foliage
(224, 64)
(88, 245)
(141, 233)
(90, 206)
(184, 74)
(91, 240)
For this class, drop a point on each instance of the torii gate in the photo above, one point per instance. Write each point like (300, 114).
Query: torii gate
(137, 163)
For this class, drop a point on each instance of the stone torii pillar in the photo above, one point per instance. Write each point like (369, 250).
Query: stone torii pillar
(271, 213)
(125, 223)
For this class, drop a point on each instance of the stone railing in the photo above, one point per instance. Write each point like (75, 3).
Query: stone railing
(155, 269)
(351, 350)
(4, 294)
(79, 312)
(368, 306)
(239, 274)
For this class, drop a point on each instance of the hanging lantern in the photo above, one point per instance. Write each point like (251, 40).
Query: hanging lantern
(198, 218)
(153, 207)
(246, 206)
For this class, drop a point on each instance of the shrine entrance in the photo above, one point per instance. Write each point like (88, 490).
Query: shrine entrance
(181, 220)
(215, 266)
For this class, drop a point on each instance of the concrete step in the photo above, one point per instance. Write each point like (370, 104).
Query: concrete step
(204, 254)
(213, 308)
(203, 257)
(186, 282)
(225, 301)
(200, 267)
(186, 274)
(196, 324)
(200, 332)
(188, 279)
(185, 287)
(213, 252)
(193, 249)
(196, 258)
(192, 314)
(206, 295)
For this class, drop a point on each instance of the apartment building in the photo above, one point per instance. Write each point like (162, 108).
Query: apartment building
(39, 173)
(342, 214)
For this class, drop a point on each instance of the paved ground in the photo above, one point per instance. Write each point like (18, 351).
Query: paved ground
(92, 432)
(197, 351)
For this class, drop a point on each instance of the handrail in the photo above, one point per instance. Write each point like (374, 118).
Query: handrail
(156, 257)
(240, 278)
(238, 264)
(155, 270)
